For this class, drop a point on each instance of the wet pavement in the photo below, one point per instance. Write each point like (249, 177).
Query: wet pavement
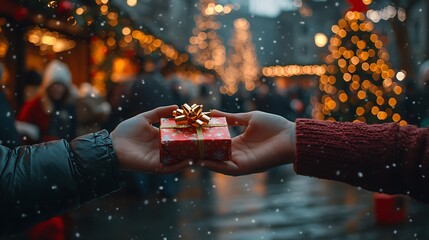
(273, 205)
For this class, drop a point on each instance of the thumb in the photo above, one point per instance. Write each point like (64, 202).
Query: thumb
(154, 115)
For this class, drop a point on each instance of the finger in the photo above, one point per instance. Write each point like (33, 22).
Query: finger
(224, 167)
(233, 119)
(154, 115)
(177, 167)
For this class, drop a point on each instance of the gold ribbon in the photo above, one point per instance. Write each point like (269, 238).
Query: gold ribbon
(193, 116)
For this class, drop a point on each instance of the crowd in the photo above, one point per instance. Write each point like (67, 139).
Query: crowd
(55, 109)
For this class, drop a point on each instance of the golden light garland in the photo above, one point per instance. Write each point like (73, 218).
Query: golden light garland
(293, 70)
(205, 44)
(49, 40)
(359, 84)
(148, 42)
(242, 65)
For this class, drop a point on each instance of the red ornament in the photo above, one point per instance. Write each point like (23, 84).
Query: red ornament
(20, 14)
(357, 5)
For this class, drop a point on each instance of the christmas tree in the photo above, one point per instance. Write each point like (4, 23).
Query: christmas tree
(205, 44)
(359, 84)
(242, 65)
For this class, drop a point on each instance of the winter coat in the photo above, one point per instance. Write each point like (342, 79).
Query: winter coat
(56, 120)
(40, 181)
(383, 158)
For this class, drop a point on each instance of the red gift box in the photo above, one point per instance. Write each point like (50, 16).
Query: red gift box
(180, 142)
(390, 209)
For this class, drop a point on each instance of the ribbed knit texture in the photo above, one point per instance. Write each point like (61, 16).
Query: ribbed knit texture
(382, 157)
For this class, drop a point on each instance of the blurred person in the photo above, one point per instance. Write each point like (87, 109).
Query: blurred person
(53, 111)
(177, 85)
(32, 82)
(91, 109)
(297, 101)
(116, 92)
(43, 180)
(385, 158)
(149, 90)
(8, 134)
(179, 90)
(273, 98)
(207, 97)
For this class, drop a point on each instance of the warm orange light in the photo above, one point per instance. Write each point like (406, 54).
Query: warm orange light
(375, 110)
(397, 90)
(320, 39)
(132, 3)
(126, 31)
(403, 123)
(343, 97)
(360, 111)
(347, 77)
(392, 102)
(361, 94)
(396, 117)
(382, 115)
(331, 104)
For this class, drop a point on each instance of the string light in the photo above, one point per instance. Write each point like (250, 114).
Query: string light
(242, 65)
(293, 70)
(126, 38)
(205, 44)
(358, 84)
(386, 13)
(49, 40)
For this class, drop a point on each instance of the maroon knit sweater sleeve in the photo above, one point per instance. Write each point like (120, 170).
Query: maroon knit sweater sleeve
(382, 157)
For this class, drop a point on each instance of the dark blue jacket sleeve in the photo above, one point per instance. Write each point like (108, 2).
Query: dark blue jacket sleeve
(40, 181)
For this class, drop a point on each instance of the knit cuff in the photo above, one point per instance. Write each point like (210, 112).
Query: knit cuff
(95, 165)
(310, 146)
(355, 153)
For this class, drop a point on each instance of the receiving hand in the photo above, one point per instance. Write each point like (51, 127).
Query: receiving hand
(268, 141)
(136, 143)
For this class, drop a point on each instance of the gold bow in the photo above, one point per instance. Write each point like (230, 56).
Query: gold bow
(191, 115)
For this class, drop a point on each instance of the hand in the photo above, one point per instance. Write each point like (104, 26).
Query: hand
(268, 141)
(136, 143)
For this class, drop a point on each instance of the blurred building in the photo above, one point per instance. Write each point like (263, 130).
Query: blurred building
(283, 31)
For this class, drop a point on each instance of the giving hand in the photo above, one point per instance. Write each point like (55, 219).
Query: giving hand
(136, 143)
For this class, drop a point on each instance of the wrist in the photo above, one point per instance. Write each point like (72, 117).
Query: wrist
(116, 150)
(97, 164)
(291, 143)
